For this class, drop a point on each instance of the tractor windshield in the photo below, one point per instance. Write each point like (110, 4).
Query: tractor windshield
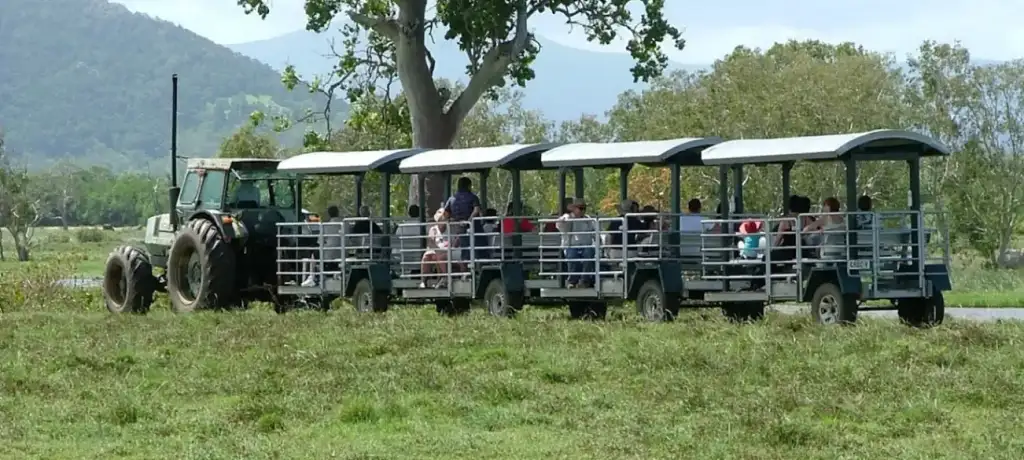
(256, 189)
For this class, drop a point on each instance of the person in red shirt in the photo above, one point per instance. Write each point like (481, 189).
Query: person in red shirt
(508, 223)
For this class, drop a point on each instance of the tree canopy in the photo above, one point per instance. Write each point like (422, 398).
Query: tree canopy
(388, 38)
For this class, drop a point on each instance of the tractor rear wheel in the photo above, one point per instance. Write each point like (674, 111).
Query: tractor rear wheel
(128, 282)
(200, 269)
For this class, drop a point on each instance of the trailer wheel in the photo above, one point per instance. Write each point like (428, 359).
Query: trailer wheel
(367, 300)
(501, 303)
(200, 269)
(743, 312)
(922, 313)
(830, 306)
(128, 281)
(654, 305)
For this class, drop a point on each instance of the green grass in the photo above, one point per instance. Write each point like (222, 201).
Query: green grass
(412, 385)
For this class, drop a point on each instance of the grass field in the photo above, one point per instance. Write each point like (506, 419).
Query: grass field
(410, 384)
(78, 383)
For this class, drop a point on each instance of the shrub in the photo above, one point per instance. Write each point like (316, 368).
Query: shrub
(90, 235)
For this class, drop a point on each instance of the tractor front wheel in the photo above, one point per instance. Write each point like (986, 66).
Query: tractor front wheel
(128, 282)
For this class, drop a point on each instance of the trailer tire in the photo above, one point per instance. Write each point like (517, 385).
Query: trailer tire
(501, 303)
(830, 306)
(922, 313)
(366, 300)
(654, 304)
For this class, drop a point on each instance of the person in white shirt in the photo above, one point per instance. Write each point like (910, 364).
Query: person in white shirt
(692, 222)
(578, 232)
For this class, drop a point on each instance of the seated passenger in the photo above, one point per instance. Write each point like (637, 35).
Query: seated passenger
(633, 226)
(750, 243)
(831, 229)
(692, 221)
(364, 225)
(439, 244)
(508, 224)
(865, 221)
(784, 240)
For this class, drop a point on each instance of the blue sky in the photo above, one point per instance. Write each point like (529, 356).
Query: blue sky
(990, 28)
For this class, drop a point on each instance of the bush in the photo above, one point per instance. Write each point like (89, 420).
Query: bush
(57, 238)
(90, 235)
(44, 286)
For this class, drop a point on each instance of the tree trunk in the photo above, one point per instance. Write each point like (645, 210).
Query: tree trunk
(2, 258)
(21, 246)
(430, 133)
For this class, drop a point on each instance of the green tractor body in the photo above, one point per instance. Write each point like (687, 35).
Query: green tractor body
(217, 248)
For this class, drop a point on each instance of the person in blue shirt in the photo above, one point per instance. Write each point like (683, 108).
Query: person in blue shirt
(463, 206)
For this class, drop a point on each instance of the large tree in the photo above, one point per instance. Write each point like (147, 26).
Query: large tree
(977, 111)
(791, 89)
(384, 38)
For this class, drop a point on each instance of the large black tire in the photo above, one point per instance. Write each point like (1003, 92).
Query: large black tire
(366, 300)
(830, 306)
(654, 304)
(128, 281)
(742, 312)
(216, 269)
(587, 310)
(922, 313)
(501, 303)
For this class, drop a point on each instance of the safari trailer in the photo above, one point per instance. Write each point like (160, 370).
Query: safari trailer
(835, 260)
(499, 268)
(349, 257)
(640, 264)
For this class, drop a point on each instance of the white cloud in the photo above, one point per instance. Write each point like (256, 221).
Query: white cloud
(988, 27)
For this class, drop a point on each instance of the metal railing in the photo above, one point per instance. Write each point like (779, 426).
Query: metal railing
(884, 249)
(309, 252)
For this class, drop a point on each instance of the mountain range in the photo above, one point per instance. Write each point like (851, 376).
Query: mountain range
(90, 81)
(569, 81)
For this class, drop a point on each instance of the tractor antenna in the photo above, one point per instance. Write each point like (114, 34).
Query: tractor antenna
(174, 191)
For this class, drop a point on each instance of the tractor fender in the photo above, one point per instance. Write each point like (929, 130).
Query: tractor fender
(227, 229)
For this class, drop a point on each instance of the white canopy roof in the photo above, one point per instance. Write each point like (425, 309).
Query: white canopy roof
(343, 162)
(832, 146)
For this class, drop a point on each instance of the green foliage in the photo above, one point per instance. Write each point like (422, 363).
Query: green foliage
(89, 235)
(89, 80)
(247, 143)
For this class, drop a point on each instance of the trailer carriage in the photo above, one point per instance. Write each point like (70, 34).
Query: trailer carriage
(895, 258)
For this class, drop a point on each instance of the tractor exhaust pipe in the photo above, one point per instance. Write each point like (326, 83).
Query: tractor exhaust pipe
(174, 190)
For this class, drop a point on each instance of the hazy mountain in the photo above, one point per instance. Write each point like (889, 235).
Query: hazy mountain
(569, 81)
(90, 80)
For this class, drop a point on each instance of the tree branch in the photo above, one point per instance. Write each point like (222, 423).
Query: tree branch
(492, 66)
(387, 27)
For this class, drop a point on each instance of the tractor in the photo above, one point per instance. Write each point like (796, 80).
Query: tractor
(217, 248)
